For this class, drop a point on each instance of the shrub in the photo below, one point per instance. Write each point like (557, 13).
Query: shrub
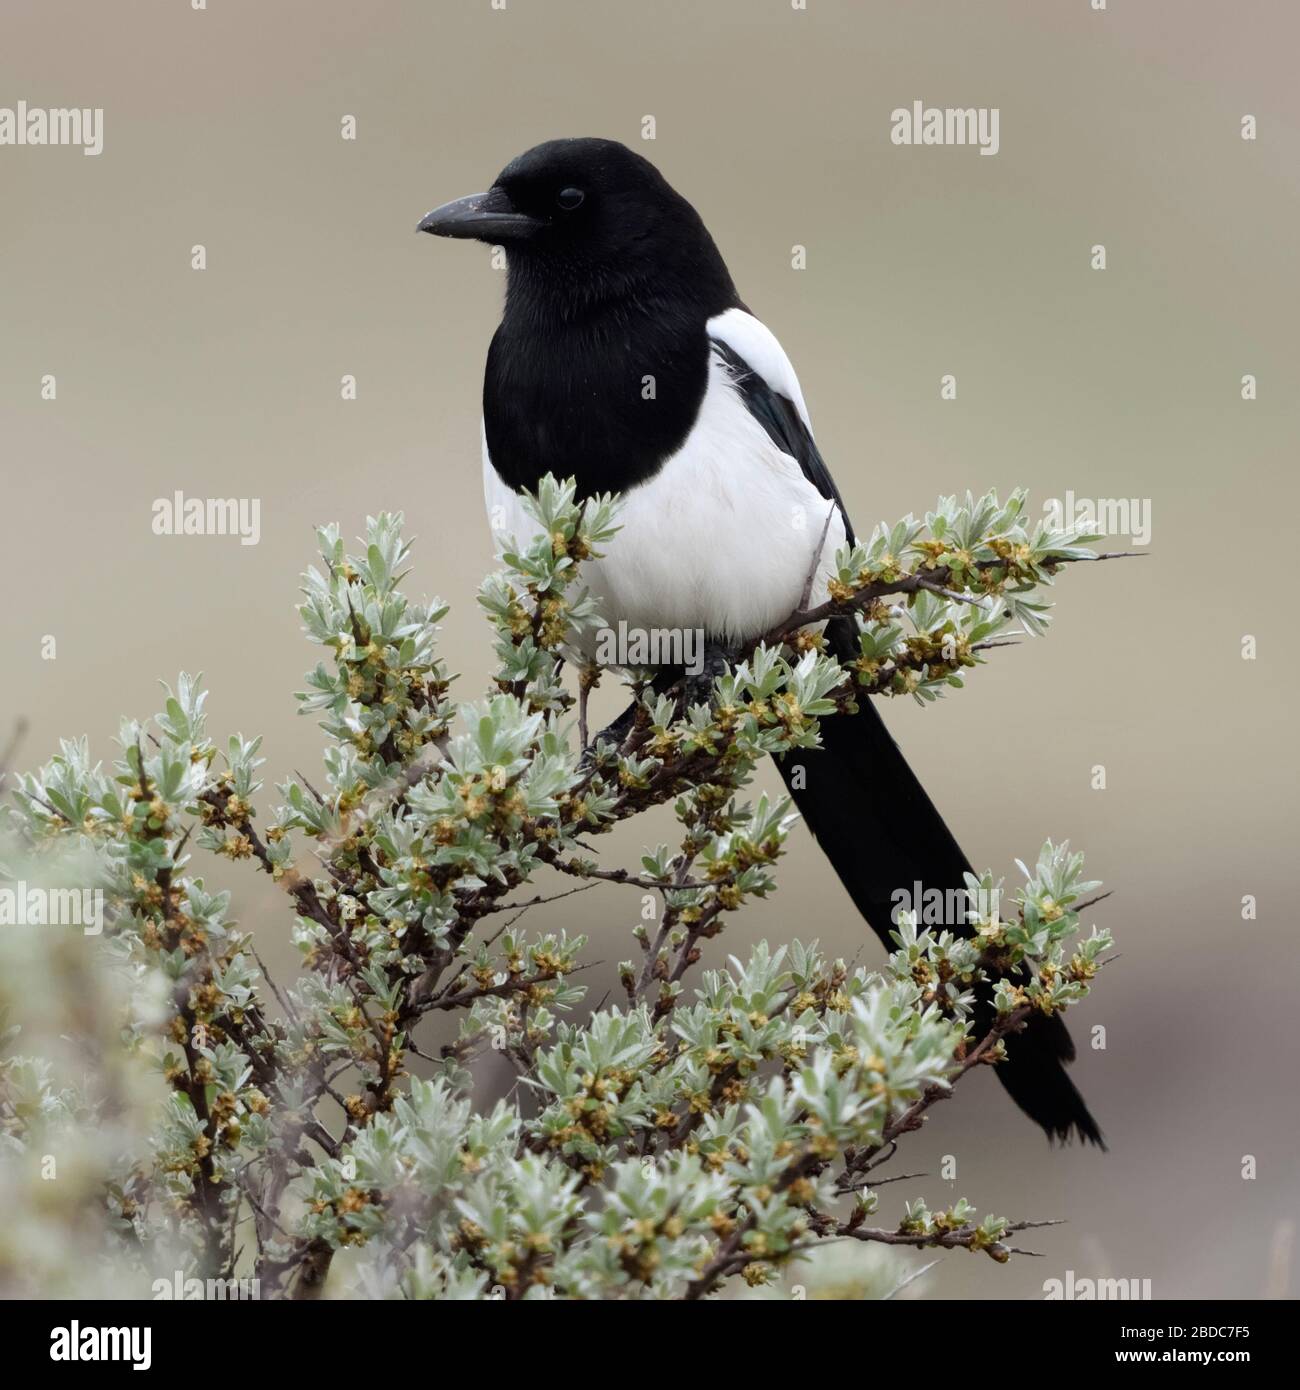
(705, 1126)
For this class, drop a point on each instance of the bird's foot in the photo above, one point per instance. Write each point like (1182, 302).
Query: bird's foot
(613, 734)
(697, 686)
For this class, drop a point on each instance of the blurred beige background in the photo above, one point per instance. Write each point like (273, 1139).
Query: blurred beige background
(222, 127)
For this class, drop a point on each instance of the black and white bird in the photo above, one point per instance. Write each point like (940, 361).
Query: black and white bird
(614, 284)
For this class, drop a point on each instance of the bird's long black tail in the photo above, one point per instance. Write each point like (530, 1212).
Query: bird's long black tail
(880, 830)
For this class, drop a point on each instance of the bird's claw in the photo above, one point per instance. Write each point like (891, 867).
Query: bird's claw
(697, 687)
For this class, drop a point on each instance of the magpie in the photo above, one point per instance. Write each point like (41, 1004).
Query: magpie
(626, 359)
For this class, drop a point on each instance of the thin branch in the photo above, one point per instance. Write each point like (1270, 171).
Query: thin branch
(911, 1279)
(579, 870)
(940, 577)
(961, 1237)
(536, 902)
(275, 989)
(954, 595)
(515, 986)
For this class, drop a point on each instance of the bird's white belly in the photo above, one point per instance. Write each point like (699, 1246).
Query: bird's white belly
(721, 539)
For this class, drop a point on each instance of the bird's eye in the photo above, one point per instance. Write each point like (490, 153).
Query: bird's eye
(570, 198)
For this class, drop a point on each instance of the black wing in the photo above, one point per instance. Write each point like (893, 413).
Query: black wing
(778, 416)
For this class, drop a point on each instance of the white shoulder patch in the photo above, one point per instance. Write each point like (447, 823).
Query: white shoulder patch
(757, 344)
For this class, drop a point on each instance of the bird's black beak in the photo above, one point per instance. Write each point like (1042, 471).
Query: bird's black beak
(489, 216)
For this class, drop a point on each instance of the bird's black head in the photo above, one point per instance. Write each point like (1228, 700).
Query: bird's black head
(592, 218)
